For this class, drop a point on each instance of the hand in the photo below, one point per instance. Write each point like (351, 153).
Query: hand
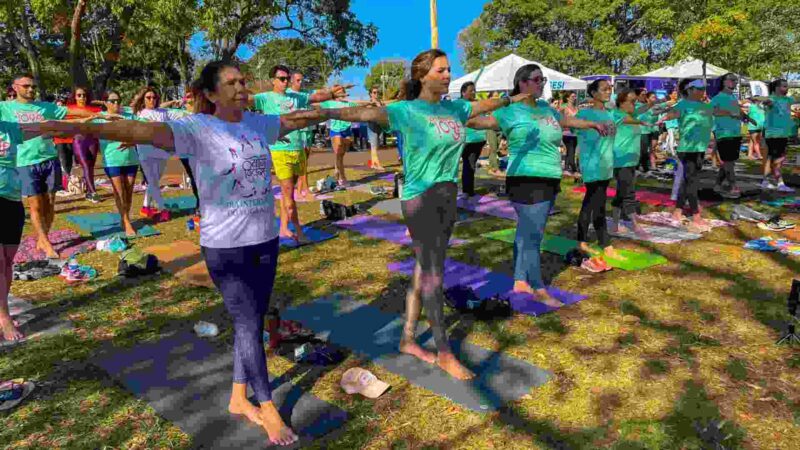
(520, 97)
(126, 146)
(50, 128)
(602, 128)
(340, 91)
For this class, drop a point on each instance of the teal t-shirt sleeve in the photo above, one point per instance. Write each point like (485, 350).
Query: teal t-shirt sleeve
(396, 113)
(260, 102)
(618, 116)
(53, 111)
(463, 110)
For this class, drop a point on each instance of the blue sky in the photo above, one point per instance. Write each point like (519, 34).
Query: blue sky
(404, 31)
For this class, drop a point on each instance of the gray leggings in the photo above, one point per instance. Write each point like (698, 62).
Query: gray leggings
(430, 218)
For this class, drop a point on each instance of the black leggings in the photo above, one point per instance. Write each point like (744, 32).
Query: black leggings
(644, 153)
(593, 210)
(430, 218)
(66, 157)
(692, 163)
(728, 151)
(188, 168)
(625, 199)
(571, 143)
(469, 161)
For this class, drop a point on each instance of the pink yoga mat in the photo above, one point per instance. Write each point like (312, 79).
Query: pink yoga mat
(66, 242)
(646, 197)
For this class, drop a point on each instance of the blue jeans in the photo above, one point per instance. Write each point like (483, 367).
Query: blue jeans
(244, 276)
(528, 242)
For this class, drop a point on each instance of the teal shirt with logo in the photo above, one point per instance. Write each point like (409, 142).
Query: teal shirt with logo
(39, 149)
(534, 139)
(627, 142)
(724, 126)
(596, 152)
(274, 104)
(338, 125)
(694, 125)
(10, 138)
(778, 123)
(113, 156)
(434, 135)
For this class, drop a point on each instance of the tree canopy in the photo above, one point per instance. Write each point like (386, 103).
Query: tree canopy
(387, 75)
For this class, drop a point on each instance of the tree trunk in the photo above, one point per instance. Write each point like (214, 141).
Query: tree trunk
(77, 71)
(111, 58)
(183, 64)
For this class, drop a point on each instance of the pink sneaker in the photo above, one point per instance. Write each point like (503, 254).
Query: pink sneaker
(162, 216)
(147, 211)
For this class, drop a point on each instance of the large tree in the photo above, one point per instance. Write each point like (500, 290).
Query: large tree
(295, 53)
(387, 75)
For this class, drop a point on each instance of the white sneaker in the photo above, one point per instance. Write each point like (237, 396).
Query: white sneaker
(784, 188)
(767, 185)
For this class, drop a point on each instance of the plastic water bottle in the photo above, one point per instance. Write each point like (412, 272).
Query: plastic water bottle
(73, 265)
(206, 329)
(190, 224)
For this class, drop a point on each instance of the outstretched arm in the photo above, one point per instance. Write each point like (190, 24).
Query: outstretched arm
(361, 114)
(483, 106)
(483, 123)
(573, 122)
(301, 119)
(158, 134)
(334, 92)
(672, 115)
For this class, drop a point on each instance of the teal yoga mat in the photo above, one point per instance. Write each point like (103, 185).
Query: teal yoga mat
(182, 203)
(107, 225)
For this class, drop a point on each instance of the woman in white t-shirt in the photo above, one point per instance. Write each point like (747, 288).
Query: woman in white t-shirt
(238, 232)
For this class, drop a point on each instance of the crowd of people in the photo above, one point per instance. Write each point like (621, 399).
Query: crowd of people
(232, 144)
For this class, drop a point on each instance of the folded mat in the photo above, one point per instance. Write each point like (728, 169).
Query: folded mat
(107, 225)
(766, 244)
(646, 197)
(561, 246)
(187, 381)
(376, 334)
(490, 205)
(66, 242)
(655, 234)
(485, 283)
(377, 228)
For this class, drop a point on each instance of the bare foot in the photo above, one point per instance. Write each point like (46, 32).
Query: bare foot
(611, 252)
(543, 297)
(47, 248)
(523, 287)
(451, 365)
(301, 237)
(497, 173)
(246, 409)
(413, 349)
(408, 233)
(378, 167)
(588, 249)
(10, 331)
(129, 230)
(677, 215)
(278, 432)
(641, 232)
(287, 233)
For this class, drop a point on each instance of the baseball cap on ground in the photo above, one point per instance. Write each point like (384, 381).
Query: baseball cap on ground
(361, 381)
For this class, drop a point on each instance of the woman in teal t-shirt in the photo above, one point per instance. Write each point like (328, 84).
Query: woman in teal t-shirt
(472, 150)
(756, 130)
(434, 134)
(534, 130)
(121, 163)
(597, 167)
(13, 214)
(627, 157)
(778, 128)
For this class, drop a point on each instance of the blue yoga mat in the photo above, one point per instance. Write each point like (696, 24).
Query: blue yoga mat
(107, 225)
(376, 334)
(313, 234)
(187, 380)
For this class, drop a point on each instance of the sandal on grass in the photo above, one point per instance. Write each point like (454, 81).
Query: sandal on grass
(13, 392)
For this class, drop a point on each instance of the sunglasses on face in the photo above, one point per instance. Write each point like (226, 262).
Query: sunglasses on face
(150, 97)
(27, 86)
(282, 79)
(80, 95)
(113, 100)
(538, 80)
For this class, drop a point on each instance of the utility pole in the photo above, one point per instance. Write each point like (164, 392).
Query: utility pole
(434, 26)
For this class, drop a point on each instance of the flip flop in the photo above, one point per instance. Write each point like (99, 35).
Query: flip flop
(13, 392)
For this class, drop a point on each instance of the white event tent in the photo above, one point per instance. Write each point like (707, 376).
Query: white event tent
(689, 68)
(499, 76)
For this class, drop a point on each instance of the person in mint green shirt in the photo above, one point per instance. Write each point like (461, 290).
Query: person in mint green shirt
(37, 159)
(646, 110)
(597, 168)
(13, 214)
(533, 179)
(778, 128)
(728, 135)
(476, 139)
(755, 129)
(306, 134)
(628, 151)
(434, 134)
(288, 154)
(341, 139)
(120, 162)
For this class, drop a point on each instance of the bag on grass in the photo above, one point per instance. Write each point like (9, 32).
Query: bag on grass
(336, 211)
(135, 263)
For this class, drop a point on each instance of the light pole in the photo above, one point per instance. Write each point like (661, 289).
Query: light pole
(434, 26)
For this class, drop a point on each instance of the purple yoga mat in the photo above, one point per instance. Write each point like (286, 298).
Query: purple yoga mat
(488, 204)
(486, 283)
(378, 228)
(66, 242)
(276, 192)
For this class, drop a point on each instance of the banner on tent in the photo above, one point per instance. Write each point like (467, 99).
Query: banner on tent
(557, 85)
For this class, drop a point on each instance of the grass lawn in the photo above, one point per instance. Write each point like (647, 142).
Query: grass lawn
(679, 356)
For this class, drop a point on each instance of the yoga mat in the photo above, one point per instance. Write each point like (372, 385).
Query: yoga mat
(561, 246)
(33, 326)
(655, 234)
(376, 334)
(66, 242)
(483, 282)
(664, 218)
(183, 260)
(377, 228)
(314, 235)
(644, 196)
(490, 205)
(187, 380)
(276, 192)
(184, 203)
(391, 206)
(17, 306)
(107, 225)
